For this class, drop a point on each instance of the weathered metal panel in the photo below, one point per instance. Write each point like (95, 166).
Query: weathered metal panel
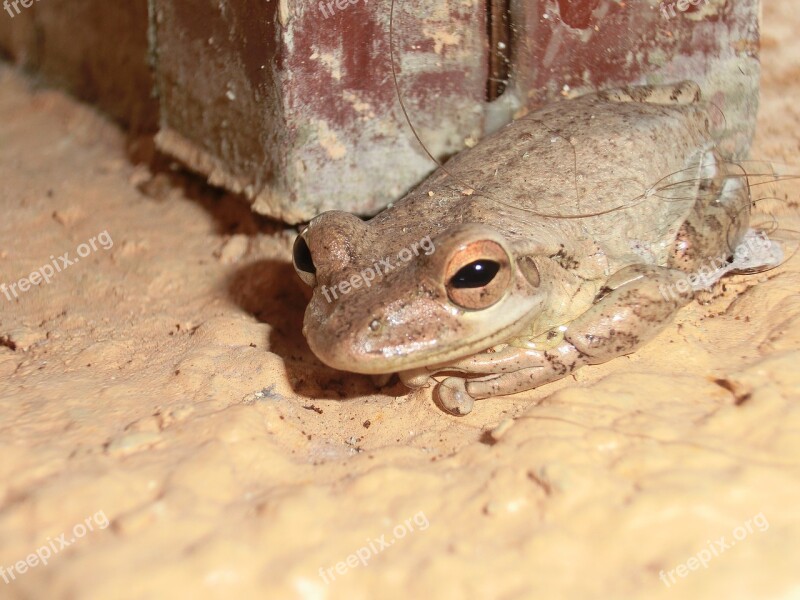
(294, 104)
(569, 47)
(218, 88)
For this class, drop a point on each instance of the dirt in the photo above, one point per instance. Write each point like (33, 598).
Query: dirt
(166, 433)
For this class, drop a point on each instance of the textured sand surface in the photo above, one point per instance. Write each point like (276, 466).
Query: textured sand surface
(161, 389)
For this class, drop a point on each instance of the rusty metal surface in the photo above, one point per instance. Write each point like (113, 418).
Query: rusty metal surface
(328, 134)
(293, 103)
(569, 47)
(218, 90)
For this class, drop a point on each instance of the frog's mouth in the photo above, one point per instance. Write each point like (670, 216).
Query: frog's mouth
(412, 356)
(404, 342)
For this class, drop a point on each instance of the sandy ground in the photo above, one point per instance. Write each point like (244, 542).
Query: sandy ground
(166, 433)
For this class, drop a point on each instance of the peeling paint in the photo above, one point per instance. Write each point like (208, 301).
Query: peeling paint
(441, 38)
(284, 13)
(330, 142)
(331, 61)
(707, 9)
(715, 44)
(327, 98)
(365, 109)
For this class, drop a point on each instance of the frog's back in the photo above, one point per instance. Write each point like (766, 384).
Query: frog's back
(588, 169)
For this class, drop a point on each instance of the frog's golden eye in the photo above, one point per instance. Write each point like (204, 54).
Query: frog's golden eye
(478, 275)
(303, 262)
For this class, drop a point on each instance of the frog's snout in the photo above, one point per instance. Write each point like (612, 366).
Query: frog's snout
(327, 245)
(349, 337)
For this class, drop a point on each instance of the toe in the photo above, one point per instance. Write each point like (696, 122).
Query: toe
(453, 396)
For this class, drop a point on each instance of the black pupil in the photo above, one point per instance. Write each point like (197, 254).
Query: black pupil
(302, 256)
(475, 274)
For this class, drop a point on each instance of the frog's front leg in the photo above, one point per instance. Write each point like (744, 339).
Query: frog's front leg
(635, 306)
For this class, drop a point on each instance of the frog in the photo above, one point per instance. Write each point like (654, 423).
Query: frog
(554, 239)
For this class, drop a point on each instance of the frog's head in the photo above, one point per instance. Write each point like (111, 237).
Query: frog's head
(386, 301)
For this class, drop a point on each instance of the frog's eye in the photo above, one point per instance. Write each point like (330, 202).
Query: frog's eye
(478, 275)
(303, 262)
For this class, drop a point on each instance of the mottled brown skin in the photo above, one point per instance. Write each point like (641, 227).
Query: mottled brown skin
(599, 203)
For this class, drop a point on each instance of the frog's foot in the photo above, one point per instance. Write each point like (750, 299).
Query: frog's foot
(453, 397)
(641, 304)
(452, 394)
(504, 360)
(518, 370)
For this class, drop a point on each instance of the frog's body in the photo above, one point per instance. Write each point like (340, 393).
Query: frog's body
(577, 208)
